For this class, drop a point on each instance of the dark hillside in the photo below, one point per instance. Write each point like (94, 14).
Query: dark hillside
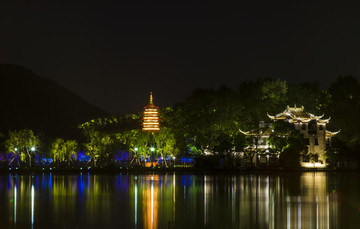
(30, 101)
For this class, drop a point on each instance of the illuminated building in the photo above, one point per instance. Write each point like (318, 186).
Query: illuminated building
(314, 130)
(311, 126)
(151, 117)
(263, 154)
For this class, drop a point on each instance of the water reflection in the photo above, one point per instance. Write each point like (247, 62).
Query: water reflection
(306, 200)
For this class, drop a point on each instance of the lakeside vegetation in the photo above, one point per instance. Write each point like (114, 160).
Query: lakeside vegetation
(208, 120)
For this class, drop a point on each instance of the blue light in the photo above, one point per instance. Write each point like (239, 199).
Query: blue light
(50, 181)
(186, 160)
(83, 157)
(121, 156)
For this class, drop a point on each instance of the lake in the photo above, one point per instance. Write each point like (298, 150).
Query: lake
(242, 200)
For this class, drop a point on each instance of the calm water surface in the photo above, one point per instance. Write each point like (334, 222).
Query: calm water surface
(302, 200)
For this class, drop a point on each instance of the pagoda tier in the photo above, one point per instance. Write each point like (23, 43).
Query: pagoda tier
(151, 117)
(297, 114)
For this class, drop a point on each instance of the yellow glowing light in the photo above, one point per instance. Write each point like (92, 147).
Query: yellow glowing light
(151, 117)
(313, 165)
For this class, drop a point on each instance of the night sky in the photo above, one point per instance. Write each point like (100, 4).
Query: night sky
(113, 54)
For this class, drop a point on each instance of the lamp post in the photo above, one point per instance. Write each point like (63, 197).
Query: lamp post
(32, 149)
(152, 149)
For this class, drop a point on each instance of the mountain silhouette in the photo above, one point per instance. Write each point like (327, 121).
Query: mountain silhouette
(33, 102)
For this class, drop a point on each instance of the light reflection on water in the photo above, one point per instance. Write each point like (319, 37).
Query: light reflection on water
(304, 200)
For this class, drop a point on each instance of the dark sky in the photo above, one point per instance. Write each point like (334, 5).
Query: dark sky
(113, 53)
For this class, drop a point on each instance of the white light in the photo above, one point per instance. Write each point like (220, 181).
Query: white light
(33, 148)
(16, 149)
(15, 202)
(313, 165)
(32, 204)
(152, 149)
(136, 149)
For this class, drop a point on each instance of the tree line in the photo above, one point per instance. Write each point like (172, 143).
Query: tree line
(207, 120)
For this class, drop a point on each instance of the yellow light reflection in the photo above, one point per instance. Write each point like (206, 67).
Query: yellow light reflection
(150, 203)
(136, 190)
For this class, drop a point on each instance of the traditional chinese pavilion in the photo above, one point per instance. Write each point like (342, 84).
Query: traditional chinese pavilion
(313, 128)
(151, 117)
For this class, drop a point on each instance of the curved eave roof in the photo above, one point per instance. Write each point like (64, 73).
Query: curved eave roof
(265, 133)
(294, 118)
(331, 134)
(151, 106)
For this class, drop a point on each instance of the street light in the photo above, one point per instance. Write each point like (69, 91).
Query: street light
(32, 149)
(136, 149)
(15, 149)
(152, 149)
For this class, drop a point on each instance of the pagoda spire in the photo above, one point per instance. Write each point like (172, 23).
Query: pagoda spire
(151, 98)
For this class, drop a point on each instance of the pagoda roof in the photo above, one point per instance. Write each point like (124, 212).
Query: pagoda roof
(258, 132)
(296, 114)
(330, 134)
(151, 106)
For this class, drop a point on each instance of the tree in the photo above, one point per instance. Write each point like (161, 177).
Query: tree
(305, 94)
(137, 142)
(343, 105)
(289, 142)
(165, 143)
(63, 150)
(57, 150)
(98, 144)
(22, 143)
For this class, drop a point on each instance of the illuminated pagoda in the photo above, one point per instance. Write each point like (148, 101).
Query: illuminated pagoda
(151, 117)
(314, 130)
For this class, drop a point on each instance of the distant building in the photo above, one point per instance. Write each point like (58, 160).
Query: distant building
(151, 117)
(314, 130)
(264, 154)
(311, 126)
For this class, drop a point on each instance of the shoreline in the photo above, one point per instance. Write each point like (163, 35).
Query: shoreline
(113, 170)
